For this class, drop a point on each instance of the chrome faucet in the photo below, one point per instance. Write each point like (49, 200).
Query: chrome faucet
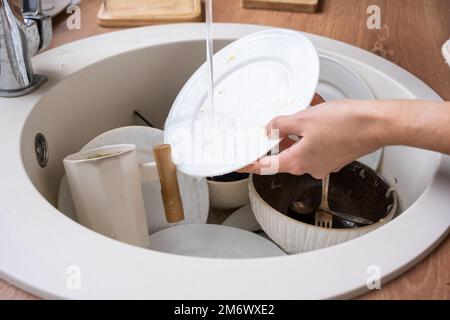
(24, 31)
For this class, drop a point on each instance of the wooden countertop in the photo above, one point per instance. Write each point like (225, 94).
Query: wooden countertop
(412, 36)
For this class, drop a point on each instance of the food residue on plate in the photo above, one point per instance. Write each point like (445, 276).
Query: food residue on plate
(231, 58)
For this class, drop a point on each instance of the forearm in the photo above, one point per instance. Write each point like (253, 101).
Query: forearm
(335, 133)
(415, 123)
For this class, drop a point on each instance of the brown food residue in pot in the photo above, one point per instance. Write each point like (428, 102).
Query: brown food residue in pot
(356, 190)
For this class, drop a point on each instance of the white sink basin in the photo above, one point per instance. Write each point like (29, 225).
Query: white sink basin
(95, 85)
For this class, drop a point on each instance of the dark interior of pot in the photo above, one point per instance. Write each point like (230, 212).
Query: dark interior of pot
(356, 190)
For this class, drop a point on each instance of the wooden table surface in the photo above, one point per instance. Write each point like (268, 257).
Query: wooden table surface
(412, 35)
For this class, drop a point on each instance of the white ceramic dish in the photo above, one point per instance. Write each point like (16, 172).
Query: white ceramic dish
(338, 81)
(194, 192)
(297, 237)
(228, 195)
(261, 76)
(213, 241)
(104, 79)
(243, 218)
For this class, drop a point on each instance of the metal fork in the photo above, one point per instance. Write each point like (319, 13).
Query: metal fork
(322, 217)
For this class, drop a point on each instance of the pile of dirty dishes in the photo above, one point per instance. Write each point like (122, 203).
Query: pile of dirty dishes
(261, 76)
(104, 185)
(109, 201)
(267, 74)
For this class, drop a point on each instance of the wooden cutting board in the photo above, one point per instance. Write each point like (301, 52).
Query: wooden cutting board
(133, 13)
(284, 5)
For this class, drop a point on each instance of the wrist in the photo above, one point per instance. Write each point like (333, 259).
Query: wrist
(394, 122)
(379, 124)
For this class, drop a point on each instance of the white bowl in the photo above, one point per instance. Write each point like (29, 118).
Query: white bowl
(228, 195)
(294, 236)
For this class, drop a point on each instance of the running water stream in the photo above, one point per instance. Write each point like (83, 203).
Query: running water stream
(209, 55)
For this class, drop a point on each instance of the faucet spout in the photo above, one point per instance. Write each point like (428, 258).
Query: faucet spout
(24, 31)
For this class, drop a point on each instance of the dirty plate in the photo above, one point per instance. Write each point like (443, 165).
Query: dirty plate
(337, 82)
(194, 192)
(213, 241)
(261, 76)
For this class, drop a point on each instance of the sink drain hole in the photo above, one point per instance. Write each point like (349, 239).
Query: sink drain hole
(41, 149)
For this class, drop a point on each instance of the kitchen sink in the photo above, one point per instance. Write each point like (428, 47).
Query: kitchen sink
(95, 85)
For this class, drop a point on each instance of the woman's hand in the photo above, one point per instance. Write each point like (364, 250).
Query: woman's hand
(332, 134)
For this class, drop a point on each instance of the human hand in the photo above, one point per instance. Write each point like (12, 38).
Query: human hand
(332, 134)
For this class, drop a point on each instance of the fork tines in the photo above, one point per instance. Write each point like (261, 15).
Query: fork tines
(324, 219)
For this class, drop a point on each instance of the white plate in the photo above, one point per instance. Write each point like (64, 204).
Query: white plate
(258, 77)
(243, 218)
(194, 192)
(338, 81)
(213, 241)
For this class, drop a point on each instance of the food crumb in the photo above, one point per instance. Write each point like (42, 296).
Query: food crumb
(231, 58)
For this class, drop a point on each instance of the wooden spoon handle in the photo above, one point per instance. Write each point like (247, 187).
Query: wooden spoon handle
(170, 190)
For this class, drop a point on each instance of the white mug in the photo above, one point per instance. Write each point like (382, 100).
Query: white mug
(106, 187)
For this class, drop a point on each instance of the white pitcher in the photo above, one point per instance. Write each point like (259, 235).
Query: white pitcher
(106, 188)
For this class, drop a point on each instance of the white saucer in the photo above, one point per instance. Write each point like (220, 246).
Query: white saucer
(194, 192)
(338, 81)
(243, 218)
(258, 77)
(213, 241)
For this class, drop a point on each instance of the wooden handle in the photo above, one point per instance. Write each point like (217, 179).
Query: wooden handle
(309, 6)
(170, 190)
